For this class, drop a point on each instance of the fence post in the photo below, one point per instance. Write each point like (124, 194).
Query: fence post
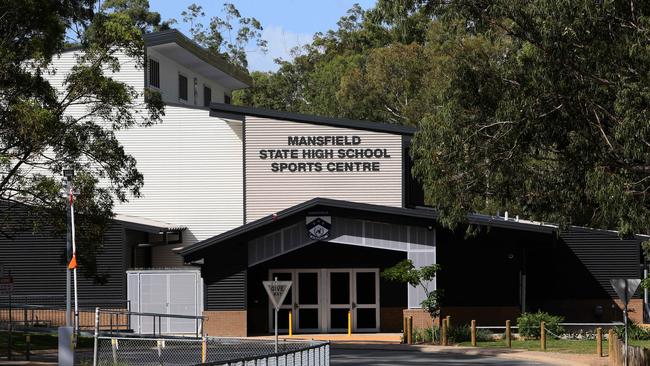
(204, 350)
(114, 349)
(508, 336)
(473, 333)
(409, 330)
(443, 332)
(28, 346)
(542, 335)
(405, 331)
(9, 340)
(599, 342)
(448, 321)
(95, 345)
(610, 341)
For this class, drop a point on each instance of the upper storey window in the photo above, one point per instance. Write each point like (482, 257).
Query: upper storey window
(207, 96)
(154, 73)
(182, 87)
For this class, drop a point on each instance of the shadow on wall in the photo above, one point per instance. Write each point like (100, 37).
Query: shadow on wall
(482, 277)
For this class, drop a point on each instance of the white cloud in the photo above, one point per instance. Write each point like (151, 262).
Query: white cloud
(280, 43)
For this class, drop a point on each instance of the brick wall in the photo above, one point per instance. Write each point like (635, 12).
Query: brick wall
(227, 323)
(421, 319)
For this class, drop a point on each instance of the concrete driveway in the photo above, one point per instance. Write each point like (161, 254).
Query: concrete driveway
(376, 357)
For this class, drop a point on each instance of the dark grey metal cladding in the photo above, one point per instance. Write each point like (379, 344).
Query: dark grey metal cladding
(224, 273)
(36, 261)
(605, 255)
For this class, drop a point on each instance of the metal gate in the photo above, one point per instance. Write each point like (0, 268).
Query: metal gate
(178, 292)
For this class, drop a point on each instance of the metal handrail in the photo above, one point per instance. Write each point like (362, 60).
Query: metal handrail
(199, 330)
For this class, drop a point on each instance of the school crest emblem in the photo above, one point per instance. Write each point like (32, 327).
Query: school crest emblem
(318, 227)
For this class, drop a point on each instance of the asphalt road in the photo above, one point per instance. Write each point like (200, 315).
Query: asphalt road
(408, 358)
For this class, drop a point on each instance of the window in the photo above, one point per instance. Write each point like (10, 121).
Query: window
(154, 73)
(226, 98)
(207, 96)
(196, 91)
(182, 87)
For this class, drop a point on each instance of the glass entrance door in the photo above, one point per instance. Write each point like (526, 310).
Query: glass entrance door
(366, 300)
(339, 291)
(322, 298)
(307, 305)
(355, 291)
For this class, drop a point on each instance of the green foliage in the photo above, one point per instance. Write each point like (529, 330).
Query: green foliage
(535, 115)
(463, 333)
(222, 35)
(539, 108)
(634, 332)
(405, 272)
(529, 324)
(38, 135)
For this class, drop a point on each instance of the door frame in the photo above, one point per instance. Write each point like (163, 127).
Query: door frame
(324, 305)
(328, 306)
(318, 306)
(357, 306)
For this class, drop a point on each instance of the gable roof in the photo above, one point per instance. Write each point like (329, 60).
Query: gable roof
(230, 111)
(249, 230)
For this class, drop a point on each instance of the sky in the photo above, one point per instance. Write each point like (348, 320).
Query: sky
(287, 23)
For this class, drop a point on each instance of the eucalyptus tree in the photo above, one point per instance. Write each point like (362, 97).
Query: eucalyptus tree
(39, 136)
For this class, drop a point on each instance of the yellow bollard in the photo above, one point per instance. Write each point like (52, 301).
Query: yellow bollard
(349, 323)
(473, 333)
(599, 342)
(508, 336)
(290, 323)
(542, 337)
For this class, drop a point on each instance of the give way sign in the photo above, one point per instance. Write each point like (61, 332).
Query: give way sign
(277, 291)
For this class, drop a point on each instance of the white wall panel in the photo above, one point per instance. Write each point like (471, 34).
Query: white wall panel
(192, 167)
(191, 162)
(268, 192)
(169, 71)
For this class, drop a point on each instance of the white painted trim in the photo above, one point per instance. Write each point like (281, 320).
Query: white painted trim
(324, 305)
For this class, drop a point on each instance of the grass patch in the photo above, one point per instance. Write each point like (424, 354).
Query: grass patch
(555, 345)
(39, 341)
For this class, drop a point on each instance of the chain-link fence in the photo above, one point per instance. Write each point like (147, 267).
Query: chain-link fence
(122, 351)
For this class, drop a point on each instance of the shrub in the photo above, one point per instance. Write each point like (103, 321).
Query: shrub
(529, 323)
(634, 331)
(463, 333)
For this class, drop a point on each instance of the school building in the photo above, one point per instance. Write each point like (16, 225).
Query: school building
(235, 196)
